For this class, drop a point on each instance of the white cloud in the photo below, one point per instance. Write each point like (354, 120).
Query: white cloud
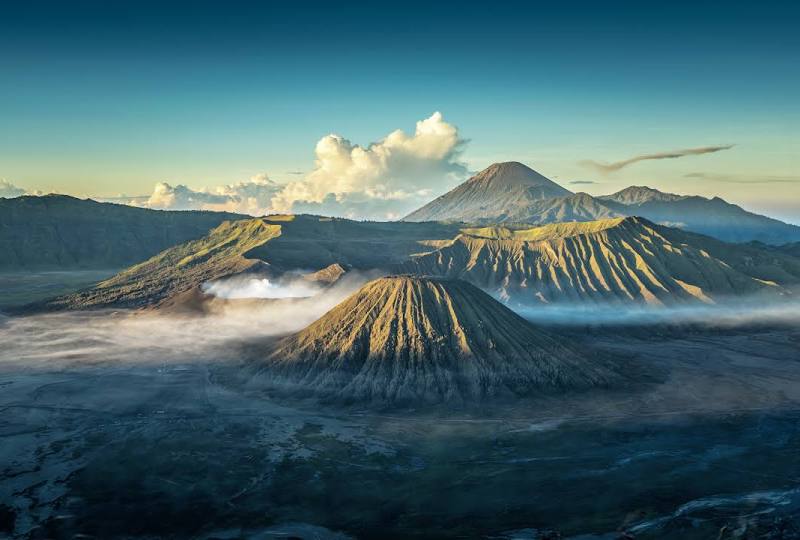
(9, 190)
(250, 197)
(385, 179)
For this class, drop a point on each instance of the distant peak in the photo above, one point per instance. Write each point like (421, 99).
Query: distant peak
(640, 194)
(510, 173)
(508, 167)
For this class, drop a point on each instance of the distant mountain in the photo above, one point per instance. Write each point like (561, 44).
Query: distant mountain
(63, 233)
(714, 217)
(623, 259)
(498, 193)
(514, 193)
(575, 207)
(639, 195)
(412, 340)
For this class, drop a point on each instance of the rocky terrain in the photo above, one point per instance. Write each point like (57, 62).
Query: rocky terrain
(629, 260)
(411, 340)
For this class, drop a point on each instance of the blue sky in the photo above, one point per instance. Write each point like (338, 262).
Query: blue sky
(109, 98)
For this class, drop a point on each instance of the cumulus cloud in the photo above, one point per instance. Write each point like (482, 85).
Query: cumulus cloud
(386, 178)
(617, 165)
(9, 190)
(250, 197)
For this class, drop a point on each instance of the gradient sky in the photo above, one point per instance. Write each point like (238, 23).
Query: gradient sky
(104, 98)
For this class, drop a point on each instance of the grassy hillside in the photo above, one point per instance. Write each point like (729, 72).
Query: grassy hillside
(273, 244)
(58, 232)
(625, 259)
(179, 269)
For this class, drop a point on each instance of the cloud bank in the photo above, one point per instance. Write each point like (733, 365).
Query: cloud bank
(9, 190)
(607, 168)
(383, 180)
(250, 197)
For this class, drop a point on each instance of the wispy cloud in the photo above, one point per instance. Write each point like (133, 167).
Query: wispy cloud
(606, 168)
(745, 179)
(583, 182)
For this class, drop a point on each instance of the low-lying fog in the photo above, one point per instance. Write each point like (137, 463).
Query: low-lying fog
(288, 305)
(239, 287)
(113, 415)
(731, 313)
(120, 335)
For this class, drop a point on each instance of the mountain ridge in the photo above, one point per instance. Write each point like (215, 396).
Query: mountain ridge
(486, 198)
(626, 259)
(63, 232)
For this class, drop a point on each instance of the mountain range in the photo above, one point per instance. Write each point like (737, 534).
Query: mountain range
(514, 193)
(629, 260)
(59, 232)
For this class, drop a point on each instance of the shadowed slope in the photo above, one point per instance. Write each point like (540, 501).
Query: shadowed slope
(408, 339)
(59, 232)
(625, 259)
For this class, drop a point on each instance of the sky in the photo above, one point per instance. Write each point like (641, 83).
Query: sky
(371, 109)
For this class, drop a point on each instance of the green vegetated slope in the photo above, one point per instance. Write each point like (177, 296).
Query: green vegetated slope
(624, 259)
(410, 339)
(272, 245)
(314, 242)
(58, 232)
(221, 253)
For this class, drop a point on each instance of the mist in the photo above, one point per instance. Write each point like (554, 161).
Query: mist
(239, 287)
(731, 313)
(114, 336)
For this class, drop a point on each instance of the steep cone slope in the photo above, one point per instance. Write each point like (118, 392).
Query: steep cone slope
(410, 339)
(623, 259)
(499, 191)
